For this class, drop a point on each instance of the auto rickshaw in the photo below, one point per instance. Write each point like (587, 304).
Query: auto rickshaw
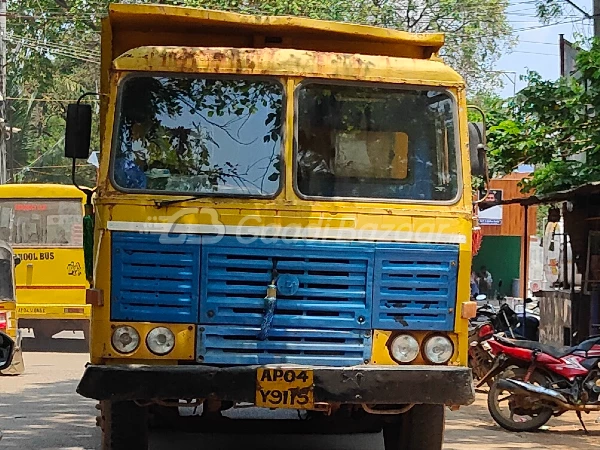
(8, 309)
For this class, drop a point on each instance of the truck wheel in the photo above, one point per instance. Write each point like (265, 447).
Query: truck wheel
(124, 426)
(420, 428)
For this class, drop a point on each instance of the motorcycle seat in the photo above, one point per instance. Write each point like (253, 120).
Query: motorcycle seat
(557, 352)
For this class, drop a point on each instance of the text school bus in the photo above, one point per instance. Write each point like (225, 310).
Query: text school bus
(43, 224)
(283, 218)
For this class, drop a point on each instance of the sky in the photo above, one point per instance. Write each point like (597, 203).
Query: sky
(537, 48)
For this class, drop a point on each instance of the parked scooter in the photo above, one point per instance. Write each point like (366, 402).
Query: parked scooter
(533, 382)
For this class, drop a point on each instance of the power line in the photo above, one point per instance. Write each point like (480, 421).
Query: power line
(80, 51)
(59, 100)
(535, 53)
(538, 42)
(518, 30)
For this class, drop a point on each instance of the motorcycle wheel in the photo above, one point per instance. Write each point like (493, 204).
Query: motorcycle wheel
(480, 363)
(521, 412)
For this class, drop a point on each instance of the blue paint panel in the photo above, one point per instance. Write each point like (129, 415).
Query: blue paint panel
(233, 345)
(415, 287)
(154, 282)
(334, 283)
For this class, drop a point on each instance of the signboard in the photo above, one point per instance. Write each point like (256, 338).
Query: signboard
(493, 215)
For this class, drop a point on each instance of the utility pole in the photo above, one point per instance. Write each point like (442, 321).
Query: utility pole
(3, 121)
(596, 15)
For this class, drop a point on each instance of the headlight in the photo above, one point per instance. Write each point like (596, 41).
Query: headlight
(404, 348)
(438, 349)
(125, 339)
(160, 340)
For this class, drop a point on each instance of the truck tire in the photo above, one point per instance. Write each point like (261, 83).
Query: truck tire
(124, 426)
(420, 428)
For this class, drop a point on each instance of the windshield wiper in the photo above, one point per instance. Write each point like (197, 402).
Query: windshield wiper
(161, 203)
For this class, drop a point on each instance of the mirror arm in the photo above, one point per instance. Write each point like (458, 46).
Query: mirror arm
(483, 149)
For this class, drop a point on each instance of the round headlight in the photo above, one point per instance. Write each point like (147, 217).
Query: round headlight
(160, 340)
(125, 339)
(404, 348)
(438, 349)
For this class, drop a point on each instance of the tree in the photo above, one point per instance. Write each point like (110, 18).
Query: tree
(552, 125)
(54, 48)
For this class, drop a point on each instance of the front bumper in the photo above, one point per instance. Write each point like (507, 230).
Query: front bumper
(362, 384)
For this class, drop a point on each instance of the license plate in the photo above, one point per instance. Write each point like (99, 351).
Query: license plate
(31, 310)
(285, 388)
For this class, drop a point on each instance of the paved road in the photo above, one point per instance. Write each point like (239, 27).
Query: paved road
(40, 410)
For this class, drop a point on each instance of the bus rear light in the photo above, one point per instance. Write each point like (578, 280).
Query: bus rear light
(3, 320)
(94, 297)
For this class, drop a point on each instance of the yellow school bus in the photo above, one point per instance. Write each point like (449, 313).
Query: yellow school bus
(43, 223)
(283, 218)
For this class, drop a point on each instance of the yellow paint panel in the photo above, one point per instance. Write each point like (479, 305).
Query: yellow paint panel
(380, 354)
(287, 62)
(102, 348)
(243, 30)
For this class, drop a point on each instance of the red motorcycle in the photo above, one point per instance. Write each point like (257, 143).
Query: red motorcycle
(533, 382)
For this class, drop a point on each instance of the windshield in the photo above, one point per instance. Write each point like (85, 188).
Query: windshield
(41, 222)
(199, 135)
(376, 143)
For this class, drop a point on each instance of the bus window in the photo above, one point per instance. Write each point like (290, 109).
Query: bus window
(41, 222)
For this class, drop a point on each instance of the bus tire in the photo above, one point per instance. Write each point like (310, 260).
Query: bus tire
(124, 426)
(420, 428)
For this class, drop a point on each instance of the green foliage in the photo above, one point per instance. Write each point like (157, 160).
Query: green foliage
(552, 125)
(54, 50)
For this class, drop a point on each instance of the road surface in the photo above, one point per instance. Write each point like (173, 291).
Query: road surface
(40, 410)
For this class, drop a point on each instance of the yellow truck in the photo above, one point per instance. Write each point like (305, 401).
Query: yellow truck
(43, 223)
(283, 218)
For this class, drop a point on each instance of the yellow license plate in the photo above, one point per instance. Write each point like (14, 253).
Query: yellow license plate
(285, 388)
(31, 310)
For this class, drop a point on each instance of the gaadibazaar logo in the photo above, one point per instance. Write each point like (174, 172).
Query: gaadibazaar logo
(190, 225)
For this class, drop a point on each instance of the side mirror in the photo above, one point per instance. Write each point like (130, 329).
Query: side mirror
(477, 149)
(17, 260)
(7, 346)
(79, 131)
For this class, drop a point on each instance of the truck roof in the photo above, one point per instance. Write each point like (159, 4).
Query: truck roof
(139, 25)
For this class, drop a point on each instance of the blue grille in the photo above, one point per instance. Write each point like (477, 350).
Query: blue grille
(415, 287)
(239, 345)
(333, 282)
(154, 282)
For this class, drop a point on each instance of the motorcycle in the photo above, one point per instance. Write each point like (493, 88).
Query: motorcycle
(481, 329)
(533, 382)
